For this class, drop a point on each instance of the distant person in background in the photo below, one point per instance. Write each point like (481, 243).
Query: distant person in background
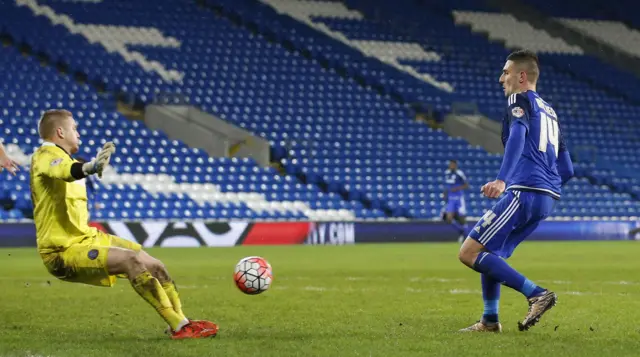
(6, 163)
(422, 118)
(428, 117)
(455, 208)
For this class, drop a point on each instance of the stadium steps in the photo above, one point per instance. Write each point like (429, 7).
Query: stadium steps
(115, 100)
(222, 9)
(237, 19)
(613, 182)
(599, 49)
(132, 107)
(8, 204)
(135, 111)
(368, 71)
(595, 179)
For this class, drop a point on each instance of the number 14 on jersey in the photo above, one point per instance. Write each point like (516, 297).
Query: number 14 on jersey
(549, 133)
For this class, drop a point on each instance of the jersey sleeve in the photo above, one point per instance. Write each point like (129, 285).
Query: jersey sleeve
(462, 176)
(565, 166)
(512, 152)
(562, 145)
(58, 166)
(519, 109)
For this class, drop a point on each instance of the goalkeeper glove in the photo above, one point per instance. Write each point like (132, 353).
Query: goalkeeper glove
(98, 164)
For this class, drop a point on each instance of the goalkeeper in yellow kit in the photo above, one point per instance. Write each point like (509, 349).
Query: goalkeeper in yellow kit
(74, 252)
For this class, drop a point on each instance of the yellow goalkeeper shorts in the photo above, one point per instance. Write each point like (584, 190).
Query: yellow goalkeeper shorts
(86, 261)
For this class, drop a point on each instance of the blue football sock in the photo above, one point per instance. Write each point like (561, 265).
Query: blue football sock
(491, 297)
(498, 269)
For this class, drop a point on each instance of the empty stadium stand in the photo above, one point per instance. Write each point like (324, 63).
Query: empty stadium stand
(152, 177)
(328, 87)
(621, 10)
(597, 112)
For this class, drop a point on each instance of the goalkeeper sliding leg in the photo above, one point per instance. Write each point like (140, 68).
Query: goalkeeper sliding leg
(159, 271)
(151, 281)
(100, 259)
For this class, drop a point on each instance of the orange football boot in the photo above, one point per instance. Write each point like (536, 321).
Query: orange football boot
(193, 330)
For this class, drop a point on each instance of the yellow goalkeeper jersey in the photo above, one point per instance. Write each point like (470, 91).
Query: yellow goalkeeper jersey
(59, 199)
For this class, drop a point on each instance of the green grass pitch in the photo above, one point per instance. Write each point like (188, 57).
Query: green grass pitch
(363, 300)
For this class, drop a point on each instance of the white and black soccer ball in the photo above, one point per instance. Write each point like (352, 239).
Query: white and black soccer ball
(253, 275)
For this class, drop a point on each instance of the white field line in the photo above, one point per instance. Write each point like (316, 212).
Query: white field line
(41, 282)
(348, 278)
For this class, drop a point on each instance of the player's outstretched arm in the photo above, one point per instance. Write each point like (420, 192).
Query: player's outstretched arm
(6, 162)
(98, 164)
(64, 168)
(55, 166)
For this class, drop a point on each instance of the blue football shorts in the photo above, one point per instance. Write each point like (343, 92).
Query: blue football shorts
(511, 220)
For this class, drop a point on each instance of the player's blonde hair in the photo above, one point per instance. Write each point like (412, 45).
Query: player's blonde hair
(50, 121)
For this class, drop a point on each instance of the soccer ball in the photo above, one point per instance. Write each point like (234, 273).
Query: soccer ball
(253, 275)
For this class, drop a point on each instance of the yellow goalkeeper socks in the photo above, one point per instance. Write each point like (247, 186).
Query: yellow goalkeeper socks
(150, 289)
(172, 292)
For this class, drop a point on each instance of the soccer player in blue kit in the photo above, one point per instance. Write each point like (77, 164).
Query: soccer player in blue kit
(536, 164)
(455, 208)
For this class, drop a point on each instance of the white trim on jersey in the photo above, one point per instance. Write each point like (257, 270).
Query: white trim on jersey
(501, 221)
(554, 194)
(462, 210)
(512, 99)
(461, 174)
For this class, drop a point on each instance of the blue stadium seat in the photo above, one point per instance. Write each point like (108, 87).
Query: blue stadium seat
(329, 132)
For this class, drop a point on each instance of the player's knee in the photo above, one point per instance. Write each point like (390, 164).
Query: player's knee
(133, 263)
(159, 270)
(467, 256)
(158, 265)
(462, 256)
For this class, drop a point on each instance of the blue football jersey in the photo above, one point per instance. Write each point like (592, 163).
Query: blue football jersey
(454, 178)
(536, 169)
